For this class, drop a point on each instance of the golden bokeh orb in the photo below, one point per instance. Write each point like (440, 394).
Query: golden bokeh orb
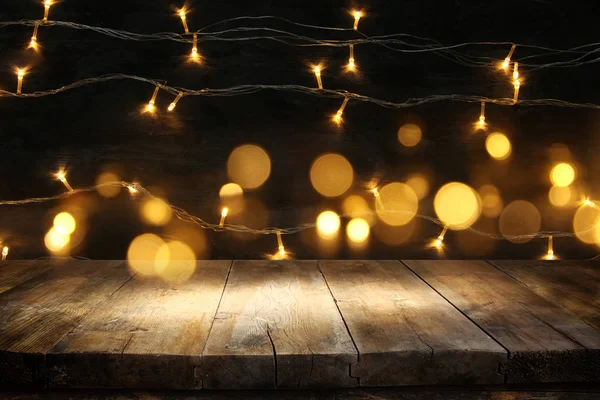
(106, 190)
(331, 175)
(141, 255)
(249, 166)
(520, 221)
(491, 201)
(562, 174)
(498, 146)
(358, 230)
(56, 241)
(175, 261)
(419, 184)
(230, 190)
(397, 205)
(328, 224)
(560, 196)
(409, 135)
(64, 223)
(356, 206)
(586, 222)
(457, 205)
(156, 211)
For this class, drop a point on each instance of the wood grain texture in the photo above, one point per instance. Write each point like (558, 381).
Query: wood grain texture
(15, 272)
(407, 334)
(277, 326)
(36, 314)
(150, 334)
(575, 285)
(546, 343)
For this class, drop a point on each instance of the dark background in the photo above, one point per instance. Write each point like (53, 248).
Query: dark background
(182, 155)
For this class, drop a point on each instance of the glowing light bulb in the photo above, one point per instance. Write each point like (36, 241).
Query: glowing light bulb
(132, 189)
(62, 176)
(317, 71)
(550, 253)
(351, 66)
(174, 103)
(282, 252)
(357, 16)
(4, 253)
(150, 107)
(33, 42)
(337, 118)
(194, 55)
(182, 13)
(481, 122)
(20, 76)
(516, 71)
(505, 64)
(224, 213)
(47, 4)
(517, 85)
(589, 203)
(378, 198)
(439, 242)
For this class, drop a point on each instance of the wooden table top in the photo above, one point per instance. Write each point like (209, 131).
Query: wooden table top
(299, 324)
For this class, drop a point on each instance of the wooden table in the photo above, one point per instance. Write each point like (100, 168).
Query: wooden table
(299, 324)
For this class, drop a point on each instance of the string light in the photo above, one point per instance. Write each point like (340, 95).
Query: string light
(281, 250)
(174, 103)
(439, 242)
(33, 42)
(351, 66)
(516, 71)
(224, 213)
(47, 4)
(517, 85)
(182, 13)
(337, 118)
(506, 61)
(4, 253)
(62, 176)
(550, 254)
(194, 55)
(317, 71)
(20, 76)
(378, 198)
(357, 16)
(481, 122)
(150, 107)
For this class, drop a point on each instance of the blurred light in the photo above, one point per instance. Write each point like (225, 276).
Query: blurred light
(586, 221)
(520, 221)
(106, 190)
(481, 123)
(156, 211)
(399, 204)
(491, 201)
(175, 261)
(457, 205)
(396, 235)
(231, 189)
(356, 206)
(47, 4)
(224, 213)
(61, 175)
(409, 135)
(419, 184)
(56, 241)
(64, 223)
(498, 146)
(331, 175)
(562, 175)
(358, 230)
(560, 196)
(4, 253)
(249, 166)
(328, 224)
(142, 252)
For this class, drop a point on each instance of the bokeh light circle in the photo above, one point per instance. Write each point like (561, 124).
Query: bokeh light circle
(328, 224)
(491, 201)
(331, 175)
(156, 211)
(586, 221)
(141, 255)
(397, 204)
(498, 146)
(562, 174)
(356, 206)
(175, 261)
(358, 230)
(249, 166)
(457, 205)
(419, 184)
(56, 241)
(409, 135)
(560, 196)
(230, 190)
(64, 223)
(108, 190)
(519, 221)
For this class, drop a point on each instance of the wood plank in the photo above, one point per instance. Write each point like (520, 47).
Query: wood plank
(39, 312)
(545, 342)
(575, 285)
(278, 326)
(15, 272)
(407, 334)
(150, 334)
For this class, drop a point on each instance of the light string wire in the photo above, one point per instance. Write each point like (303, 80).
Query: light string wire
(185, 216)
(326, 93)
(289, 38)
